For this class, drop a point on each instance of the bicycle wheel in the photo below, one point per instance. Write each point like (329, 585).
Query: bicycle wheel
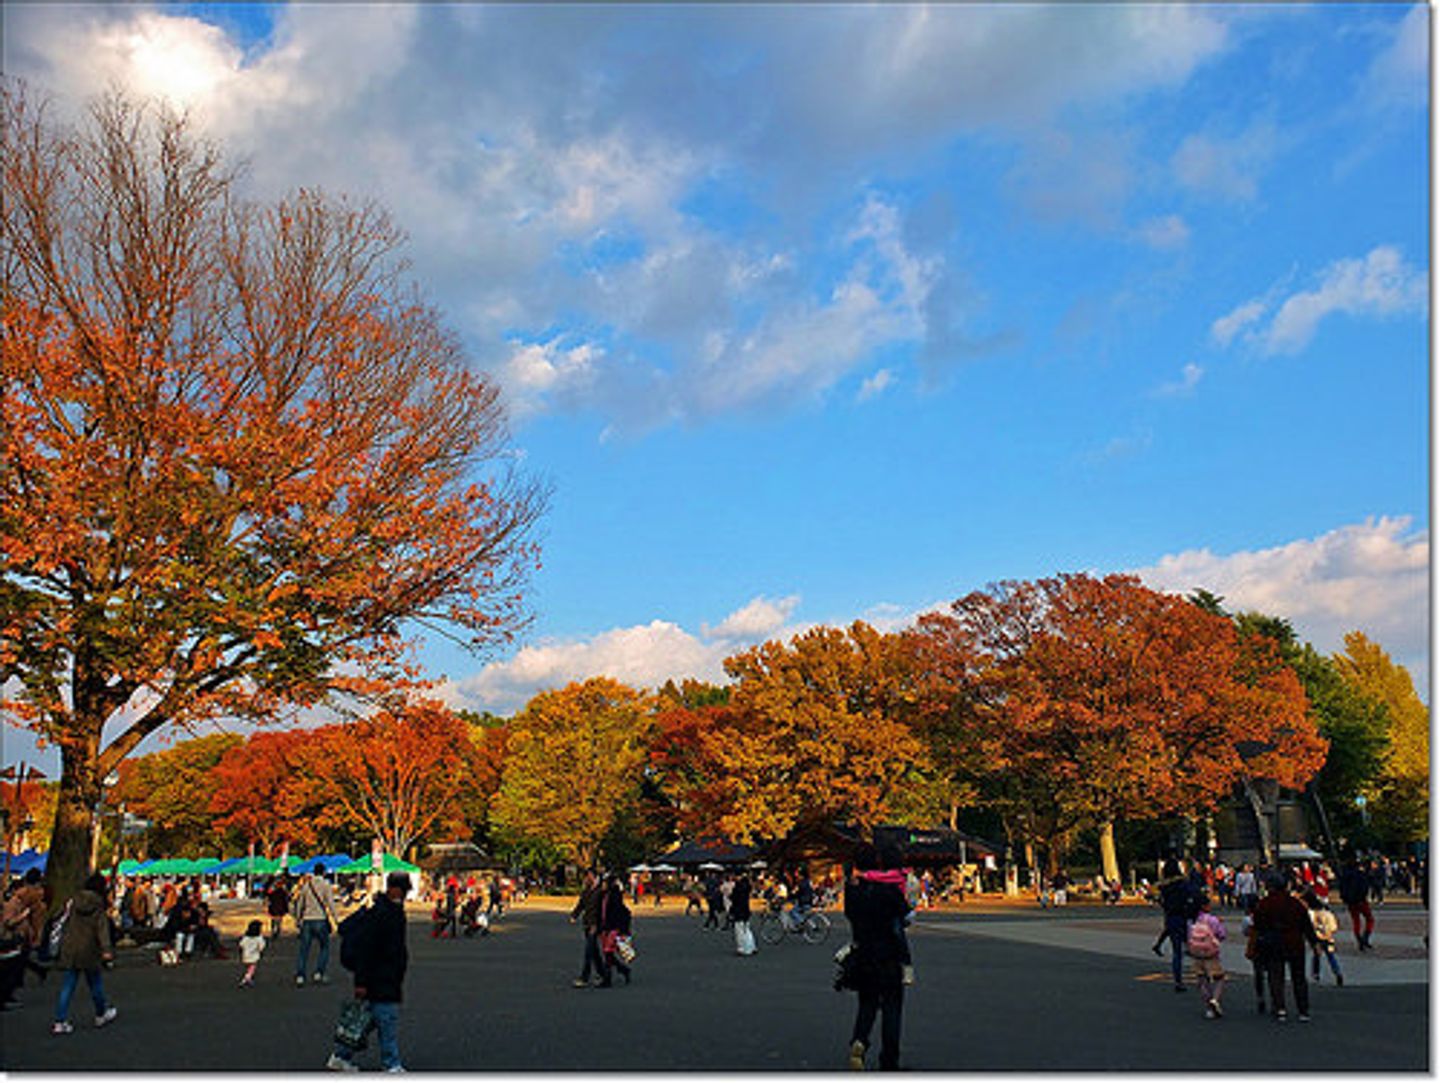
(772, 930)
(816, 929)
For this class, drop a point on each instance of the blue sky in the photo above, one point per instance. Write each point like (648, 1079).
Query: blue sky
(812, 313)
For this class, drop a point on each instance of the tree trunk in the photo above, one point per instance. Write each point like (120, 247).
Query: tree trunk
(1109, 864)
(75, 805)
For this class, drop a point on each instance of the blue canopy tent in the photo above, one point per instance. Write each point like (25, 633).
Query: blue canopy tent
(330, 861)
(26, 860)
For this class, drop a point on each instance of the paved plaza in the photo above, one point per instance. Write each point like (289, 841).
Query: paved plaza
(998, 987)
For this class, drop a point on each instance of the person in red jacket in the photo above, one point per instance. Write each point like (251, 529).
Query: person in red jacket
(1282, 931)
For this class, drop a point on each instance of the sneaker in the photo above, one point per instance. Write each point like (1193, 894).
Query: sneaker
(299, 979)
(1214, 1003)
(1303, 1017)
(907, 974)
(1210, 1012)
(1180, 987)
(337, 1063)
(1281, 1017)
(1156, 949)
(396, 1068)
(108, 1017)
(61, 1028)
(579, 983)
(857, 1056)
(320, 979)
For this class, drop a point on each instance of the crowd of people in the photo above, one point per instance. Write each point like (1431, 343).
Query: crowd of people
(1288, 927)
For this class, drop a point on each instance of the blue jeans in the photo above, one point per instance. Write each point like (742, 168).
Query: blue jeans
(313, 930)
(1175, 930)
(385, 1021)
(67, 990)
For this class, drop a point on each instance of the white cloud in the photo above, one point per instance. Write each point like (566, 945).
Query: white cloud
(1169, 231)
(506, 161)
(642, 655)
(1190, 377)
(1400, 75)
(756, 619)
(1371, 576)
(1379, 284)
(874, 385)
(1226, 168)
(1241, 318)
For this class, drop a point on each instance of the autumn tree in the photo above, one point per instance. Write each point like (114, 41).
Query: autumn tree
(398, 775)
(172, 788)
(1399, 797)
(575, 757)
(30, 803)
(237, 451)
(1091, 699)
(810, 736)
(258, 791)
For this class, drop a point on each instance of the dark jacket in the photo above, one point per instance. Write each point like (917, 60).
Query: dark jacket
(87, 933)
(1177, 897)
(1354, 885)
(876, 912)
(614, 914)
(383, 957)
(587, 908)
(740, 900)
(1282, 925)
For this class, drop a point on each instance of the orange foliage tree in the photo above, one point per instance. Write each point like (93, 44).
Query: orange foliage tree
(257, 791)
(237, 451)
(399, 776)
(1080, 700)
(811, 737)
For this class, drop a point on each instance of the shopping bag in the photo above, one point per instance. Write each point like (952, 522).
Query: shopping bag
(355, 1023)
(625, 950)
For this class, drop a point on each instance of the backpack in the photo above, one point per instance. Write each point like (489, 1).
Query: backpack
(1202, 942)
(355, 937)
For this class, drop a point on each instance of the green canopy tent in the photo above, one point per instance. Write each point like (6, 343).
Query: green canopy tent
(388, 863)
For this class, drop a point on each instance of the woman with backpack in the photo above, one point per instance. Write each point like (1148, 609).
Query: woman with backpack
(1202, 940)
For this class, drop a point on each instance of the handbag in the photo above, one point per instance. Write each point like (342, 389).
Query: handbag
(625, 949)
(354, 1024)
(847, 966)
(56, 932)
(607, 941)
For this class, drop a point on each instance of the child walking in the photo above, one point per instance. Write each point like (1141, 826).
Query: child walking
(1326, 925)
(252, 946)
(1202, 941)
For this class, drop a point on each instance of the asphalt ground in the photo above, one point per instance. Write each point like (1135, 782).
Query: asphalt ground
(997, 990)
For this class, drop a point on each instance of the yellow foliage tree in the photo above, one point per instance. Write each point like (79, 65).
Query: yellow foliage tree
(1401, 795)
(574, 757)
(816, 737)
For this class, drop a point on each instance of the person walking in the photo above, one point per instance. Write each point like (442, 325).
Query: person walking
(23, 920)
(84, 946)
(740, 915)
(1282, 929)
(614, 924)
(252, 946)
(277, 904)
(315, 915)
(587, 911)
(1355, 894)
(714, 901)
(876, 910)
(381, 959)
(1326, 926)
(1203, 940)
(1176, 900)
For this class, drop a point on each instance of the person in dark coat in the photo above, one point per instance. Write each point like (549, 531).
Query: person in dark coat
(1177, 900)
(1355, 893)
(876, 910)
(614, 923)
(84, 946)
(380, 966)
(587, 911)
(1282, 930)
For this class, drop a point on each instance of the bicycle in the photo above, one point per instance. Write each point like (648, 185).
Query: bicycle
(777, 922)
